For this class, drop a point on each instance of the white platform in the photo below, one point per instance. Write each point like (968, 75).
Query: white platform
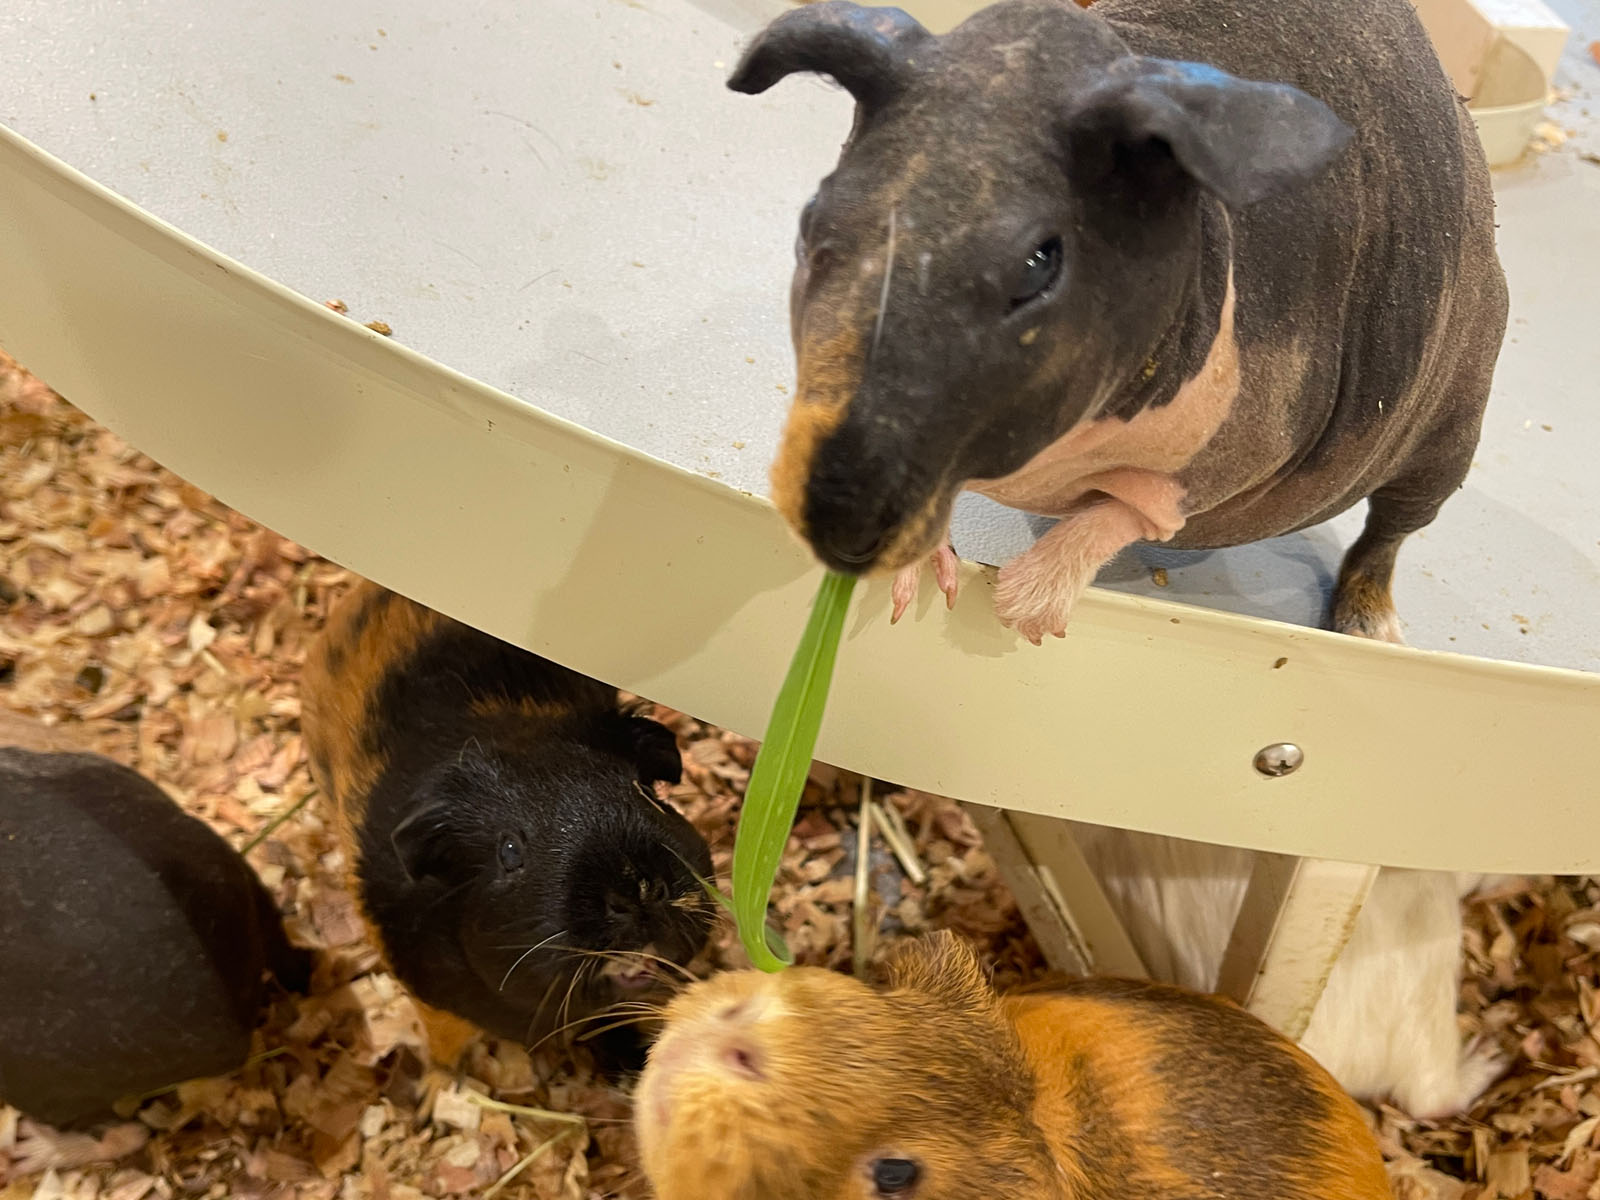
(563, 201)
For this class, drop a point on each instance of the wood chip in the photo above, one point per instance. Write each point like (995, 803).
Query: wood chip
(193, 622)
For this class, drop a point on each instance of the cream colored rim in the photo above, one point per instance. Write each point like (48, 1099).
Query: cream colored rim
(1147, 716)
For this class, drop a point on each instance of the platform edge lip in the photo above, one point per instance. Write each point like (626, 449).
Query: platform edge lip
(1229, 642)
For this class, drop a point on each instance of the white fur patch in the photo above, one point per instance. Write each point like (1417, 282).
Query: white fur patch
(1386, 1023)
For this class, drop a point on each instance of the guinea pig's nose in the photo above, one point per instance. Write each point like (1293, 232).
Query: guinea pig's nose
(740, 1057)
(862, 548)
(846, 548)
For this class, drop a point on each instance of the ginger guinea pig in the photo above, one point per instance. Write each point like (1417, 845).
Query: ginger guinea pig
(808, 1085)
(1193, 271)
(134, 941)
(509, 854)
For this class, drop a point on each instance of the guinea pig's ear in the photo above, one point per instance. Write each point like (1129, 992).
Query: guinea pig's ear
(655, 749)
(870, 51)
(1240, 140)
(940, 965)
(425, 841)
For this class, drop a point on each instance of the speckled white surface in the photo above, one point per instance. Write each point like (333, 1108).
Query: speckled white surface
(561, 199)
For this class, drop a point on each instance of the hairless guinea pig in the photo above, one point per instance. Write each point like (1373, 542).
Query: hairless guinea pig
(808, 1085)
(1195, 271)
(509, 854)
(134, 941)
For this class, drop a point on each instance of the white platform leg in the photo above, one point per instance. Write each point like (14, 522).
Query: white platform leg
(1297, 915)
(1059, 896)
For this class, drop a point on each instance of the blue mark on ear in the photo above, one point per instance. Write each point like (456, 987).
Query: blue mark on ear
(1190, 74)
(1203, 74)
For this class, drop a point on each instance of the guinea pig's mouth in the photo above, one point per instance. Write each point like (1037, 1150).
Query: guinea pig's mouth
(853, 549)
(630, 977)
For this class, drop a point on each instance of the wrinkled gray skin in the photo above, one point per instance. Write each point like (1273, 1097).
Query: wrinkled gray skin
(1370, 305)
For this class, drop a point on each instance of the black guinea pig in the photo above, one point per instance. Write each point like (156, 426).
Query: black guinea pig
(509, 853)
(134, 941)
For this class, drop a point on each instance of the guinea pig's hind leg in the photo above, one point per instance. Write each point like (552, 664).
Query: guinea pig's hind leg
(904, 590)
(1362, 603)
(1439, 1098)
(1038, 589)
(448, 1037)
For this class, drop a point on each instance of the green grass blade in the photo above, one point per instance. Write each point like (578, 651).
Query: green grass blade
(775, 941)
(779, 775)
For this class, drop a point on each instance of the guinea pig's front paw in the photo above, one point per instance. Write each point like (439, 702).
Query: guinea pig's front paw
(904, 591)
(1035, 601)
(436, 1081)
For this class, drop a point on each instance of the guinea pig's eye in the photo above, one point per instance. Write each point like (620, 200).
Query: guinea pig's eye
(894, 1176)
(510, 853)
(1039, 271)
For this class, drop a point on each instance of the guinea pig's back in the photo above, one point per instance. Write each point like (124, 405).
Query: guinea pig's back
(370, 634)
(133, 939)
(389, 677)
(1145, 1089)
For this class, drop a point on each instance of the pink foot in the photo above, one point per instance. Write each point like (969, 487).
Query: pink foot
(904, 590)
(1038, 589)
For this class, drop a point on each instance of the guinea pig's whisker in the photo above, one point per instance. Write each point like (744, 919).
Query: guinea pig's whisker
(696, 899)
(633, 955)
(565, 1010)
(625, 1009)
(543, 1007)
(883, 295)
(524, 956)
(624, 1023)
(578, 1023)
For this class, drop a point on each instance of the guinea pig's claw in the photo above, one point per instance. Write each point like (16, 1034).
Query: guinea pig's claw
(904, 589)
(945, 563)
(436, 1080)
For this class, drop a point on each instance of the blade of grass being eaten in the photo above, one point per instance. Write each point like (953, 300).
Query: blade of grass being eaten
(779, 775)
(775, 942)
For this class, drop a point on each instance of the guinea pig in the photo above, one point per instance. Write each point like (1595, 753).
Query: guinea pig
(508, 851)
(1385, 1025)
(134, 941)
(1191, 271)
(808, 1085)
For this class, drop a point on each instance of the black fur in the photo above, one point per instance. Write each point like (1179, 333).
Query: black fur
(598, 863)
(133, 939)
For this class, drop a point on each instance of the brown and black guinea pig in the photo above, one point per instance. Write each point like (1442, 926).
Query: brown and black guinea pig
(134, 941)
(510, 856)
(809, 1085)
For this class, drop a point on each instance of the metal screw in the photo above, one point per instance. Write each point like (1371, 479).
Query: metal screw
(1280, 758)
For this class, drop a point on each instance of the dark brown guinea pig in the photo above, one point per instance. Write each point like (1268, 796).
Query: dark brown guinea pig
(134, 941)
(809, 1085)
(509, 853)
